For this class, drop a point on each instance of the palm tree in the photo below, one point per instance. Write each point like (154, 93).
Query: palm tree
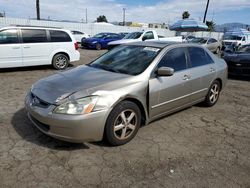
(185, 15)
(38, 9)
(210, 25)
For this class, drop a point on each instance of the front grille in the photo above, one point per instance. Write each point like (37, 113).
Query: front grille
(41, 125)
(85, 45)
(227, 43)
(36, 101)
(238, 68)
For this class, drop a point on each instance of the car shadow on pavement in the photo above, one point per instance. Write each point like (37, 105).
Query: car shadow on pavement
(30, 133)
(31, 68)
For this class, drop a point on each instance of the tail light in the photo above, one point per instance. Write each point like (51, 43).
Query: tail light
(76, 46)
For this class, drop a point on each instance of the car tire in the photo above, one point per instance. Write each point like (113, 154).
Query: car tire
(213, 94)
(60, 61)
(123, 123)
(98, 46)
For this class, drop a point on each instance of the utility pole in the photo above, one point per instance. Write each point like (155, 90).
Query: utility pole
(38, 9)
(86, 16)
(124, 11)
(205, 15)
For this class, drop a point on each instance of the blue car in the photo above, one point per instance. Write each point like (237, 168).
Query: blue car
(100, 40)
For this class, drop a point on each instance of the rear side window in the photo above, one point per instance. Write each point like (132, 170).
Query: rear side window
(9, 36)
(175, 59)
(59, 36)
(199, 57)
(34, 35)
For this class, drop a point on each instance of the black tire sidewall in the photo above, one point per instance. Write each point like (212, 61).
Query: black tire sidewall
(207, 100)
(54, 62)
(109, 133)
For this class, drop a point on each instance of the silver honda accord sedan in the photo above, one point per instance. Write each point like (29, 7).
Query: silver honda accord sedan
(123, 89)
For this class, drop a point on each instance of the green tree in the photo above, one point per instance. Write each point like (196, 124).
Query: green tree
(185, 15)
(102, 18)
(211, 25)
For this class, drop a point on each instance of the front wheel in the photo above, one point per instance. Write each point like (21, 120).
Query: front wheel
(123, 123)
(213, 94)
(60, 61)
(98, 46)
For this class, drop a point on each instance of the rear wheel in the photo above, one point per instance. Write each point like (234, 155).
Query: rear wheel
(213, 94)
(123, 123)
(60, 61)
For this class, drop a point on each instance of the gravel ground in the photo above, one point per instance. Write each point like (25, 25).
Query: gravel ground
(196, 147)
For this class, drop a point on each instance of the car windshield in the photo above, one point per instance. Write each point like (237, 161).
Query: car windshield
(131, 60)
(100, 35)
(244, 49)
(199, 40)
(232, 37)
(134, 35)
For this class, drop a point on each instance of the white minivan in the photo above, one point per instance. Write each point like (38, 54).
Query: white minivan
(32, 46)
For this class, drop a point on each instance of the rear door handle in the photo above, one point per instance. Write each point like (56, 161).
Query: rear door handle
(15, 48)
(26, 47)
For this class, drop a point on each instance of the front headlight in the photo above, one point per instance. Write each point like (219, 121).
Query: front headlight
(94, 42)
(78, 106)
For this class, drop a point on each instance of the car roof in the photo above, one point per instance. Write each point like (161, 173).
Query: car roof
(162, 44)
(34, 27)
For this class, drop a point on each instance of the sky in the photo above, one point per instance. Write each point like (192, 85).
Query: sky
(142, 11)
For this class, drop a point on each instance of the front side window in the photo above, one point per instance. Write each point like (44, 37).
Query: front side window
(134, 35)
(9, 36)
(175, 59)
(131, 60)
(34, 35)
(59, 36)
(148, 35)
(199, 57)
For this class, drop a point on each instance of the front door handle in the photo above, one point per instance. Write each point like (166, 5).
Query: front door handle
(15, 48)
(186, 77)
(26, 47)
(212, 69)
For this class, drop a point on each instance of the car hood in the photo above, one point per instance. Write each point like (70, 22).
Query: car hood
(83, 79)
(123, 41)
(236, 56)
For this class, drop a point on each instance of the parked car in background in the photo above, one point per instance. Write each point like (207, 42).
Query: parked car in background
(142, 36)
(235, 40)
(79, 35)
(100, 40)
(128, 86)
(187, 38)
(210, 43)
(238, 61)
(123, 34)
(32, 46)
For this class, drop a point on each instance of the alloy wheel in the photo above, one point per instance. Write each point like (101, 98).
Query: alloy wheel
(125, 124)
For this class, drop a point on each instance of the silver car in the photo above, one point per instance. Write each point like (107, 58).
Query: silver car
(123, 89)
(210, 43)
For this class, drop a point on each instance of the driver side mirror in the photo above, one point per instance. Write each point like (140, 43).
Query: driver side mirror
(165, 71)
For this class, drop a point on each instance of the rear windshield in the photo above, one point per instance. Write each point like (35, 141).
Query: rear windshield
(131, 60)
